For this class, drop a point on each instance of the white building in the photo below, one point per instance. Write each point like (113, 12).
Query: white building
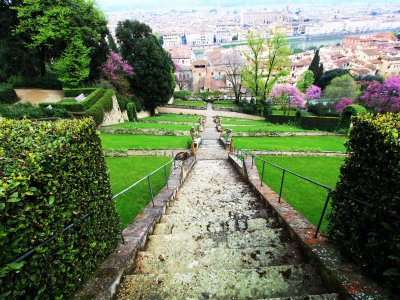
(200, 38)
(171, 40)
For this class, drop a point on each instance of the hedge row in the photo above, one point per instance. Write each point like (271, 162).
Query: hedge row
(52, 174)
(346, 115)
(368, 231)
(319, 123)
(7, 94)
(68, 92)
(30, 111)
(280, 119)
(75, 106)
(103, 105)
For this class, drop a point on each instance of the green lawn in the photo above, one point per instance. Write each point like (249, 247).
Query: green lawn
(292, 143)
(266, 128)
(235, 121)
(172, 118)
(153, 126)
(280, 112)
(227, 105)
(124, 171)
(189, 103)
(128, 141)
(304, 196)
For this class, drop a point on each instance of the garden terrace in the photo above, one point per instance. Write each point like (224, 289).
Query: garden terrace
(189, 103)
(172, 118)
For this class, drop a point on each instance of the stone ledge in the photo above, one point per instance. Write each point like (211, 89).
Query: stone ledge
(338, 274)
(104, 282)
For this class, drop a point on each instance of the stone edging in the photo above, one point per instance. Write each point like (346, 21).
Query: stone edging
(185, 106)
(298, 153)
(103, 284)
(337, 273)
(232, 109)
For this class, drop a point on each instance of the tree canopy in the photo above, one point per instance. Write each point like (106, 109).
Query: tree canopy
(329, 75)
(343, 87)
(307, 79)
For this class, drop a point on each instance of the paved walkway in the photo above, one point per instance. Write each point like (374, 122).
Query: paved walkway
(218, 241)
(209, 112)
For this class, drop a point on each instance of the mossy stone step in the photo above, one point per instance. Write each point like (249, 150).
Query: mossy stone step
(275, 281)
(216, 259)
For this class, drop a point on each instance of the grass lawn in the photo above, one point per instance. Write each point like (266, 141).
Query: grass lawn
(280, 112)
(128, 141)
(124, 171)
(235, 121)
(228, 105)
(267, 127)
(153, 126)
(292, 143)
(189, 103)
(172, 118)
(304, 196)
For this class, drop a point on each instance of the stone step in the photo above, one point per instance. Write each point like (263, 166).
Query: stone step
(233, 240)
(216, 259)
(225, 216)
(276, 281)
(216, 226)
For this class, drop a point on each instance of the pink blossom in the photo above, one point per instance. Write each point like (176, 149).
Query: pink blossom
(342, 104)
(383, 97)
(288, 92)
(115, 67)
(313, 92)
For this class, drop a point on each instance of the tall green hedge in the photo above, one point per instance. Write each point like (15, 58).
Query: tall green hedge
(368, 232)
(7, 94)
(30, 111)
(52, 174)
(319, 123)
(346, 115)
(131, 110)
(280, 119)
(103, 105)
(68, 92)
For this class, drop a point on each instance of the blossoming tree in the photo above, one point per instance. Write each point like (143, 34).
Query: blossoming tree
(287, 96)
(383, 97)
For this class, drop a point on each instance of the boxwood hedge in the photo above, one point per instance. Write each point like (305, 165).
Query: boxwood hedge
(51, 175)
(365, 217)
(7, 94)
(103, 105)
(346, 115)
(319, 123)
(68, 92)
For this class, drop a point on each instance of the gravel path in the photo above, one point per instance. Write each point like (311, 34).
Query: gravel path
(35, 96)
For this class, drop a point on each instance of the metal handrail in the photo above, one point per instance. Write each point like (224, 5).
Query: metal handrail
(51, 238)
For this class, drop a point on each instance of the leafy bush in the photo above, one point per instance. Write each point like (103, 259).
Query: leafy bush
(280, 119)
(49, 81)
(366, 225)
(7, 93)
(72, 93)
(30, 111)
(348, 112)
(300, 113)
(78, 106)
(319, 123)
(103, 105)
(184, 95)
(322, 109)
(131, 110)
(52, 175)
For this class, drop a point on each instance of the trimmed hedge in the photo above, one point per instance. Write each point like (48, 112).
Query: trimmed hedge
(103, 105)
(346, 115)
(52, 174)
(184, 95)
(319, 123)
(76, 92)
(7, 94)
(30, 111)
(280, 119)
(368, 232)
(78, 106)
(131, 110)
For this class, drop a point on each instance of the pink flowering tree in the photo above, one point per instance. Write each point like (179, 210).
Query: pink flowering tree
(116, 71)
(287, 96)
(313, 92)
(383, 97)
(342, 104)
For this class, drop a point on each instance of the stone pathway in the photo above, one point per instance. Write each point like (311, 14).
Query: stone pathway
(218, 241)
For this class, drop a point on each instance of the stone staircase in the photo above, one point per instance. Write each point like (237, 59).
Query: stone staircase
(218, 241)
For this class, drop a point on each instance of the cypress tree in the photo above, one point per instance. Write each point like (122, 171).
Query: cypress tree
(314, 66)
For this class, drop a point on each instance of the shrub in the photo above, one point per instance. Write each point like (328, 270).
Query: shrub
(30, 111)
(52, 175)
(184, 95)
(300, 113)
(319, 123)
(131, 110)
(103, 105)
(326, 109)
(348, 112)
(366, 226)
(72, 93)
(7, 93)
(279, 119)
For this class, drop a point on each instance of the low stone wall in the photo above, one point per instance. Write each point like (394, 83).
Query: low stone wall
(185, 106)
(336, 271)
(261, 134)
(104, 283)
(114, 116)
(297, 153)
(232, 109)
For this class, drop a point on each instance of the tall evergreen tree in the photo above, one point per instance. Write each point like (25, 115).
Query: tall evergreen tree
(153, 80)
(316, 67)
(318, 75)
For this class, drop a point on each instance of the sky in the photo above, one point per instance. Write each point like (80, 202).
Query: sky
(192, 4)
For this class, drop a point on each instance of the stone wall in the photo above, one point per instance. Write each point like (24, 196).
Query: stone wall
(114, 116)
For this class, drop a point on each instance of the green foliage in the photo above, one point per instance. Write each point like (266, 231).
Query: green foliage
(183, 95)
(329, 75)
(316, 67)
(128, 141)
(153, 80)
(280, 119)
(307, 79)
(30, 111)
(73, 66)
(7, 94)
(369, 231)
(74, 92)
(319, 123)
(98, 109)
(323, 108)
(347, 114)
(131, 110)
(53, 174)
(203, 96)
(343, 87)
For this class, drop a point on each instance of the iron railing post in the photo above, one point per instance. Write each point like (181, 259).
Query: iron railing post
(323, 214)
(262, 175)
(282, 180)
(252, 161)
(151, 190)
(165, 175)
